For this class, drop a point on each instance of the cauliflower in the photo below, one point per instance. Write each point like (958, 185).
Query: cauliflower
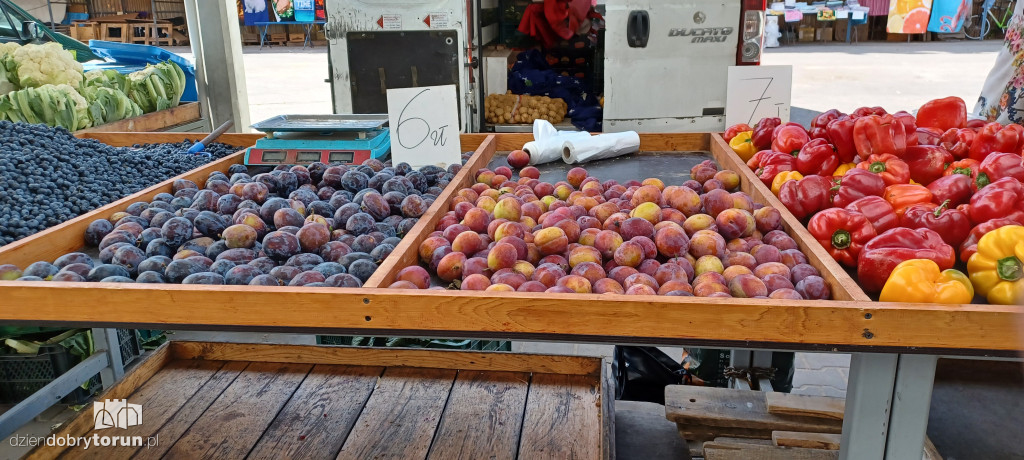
(54, 105)
(8, 79)
(37, 65)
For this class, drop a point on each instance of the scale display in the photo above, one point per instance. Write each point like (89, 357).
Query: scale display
(303, 139)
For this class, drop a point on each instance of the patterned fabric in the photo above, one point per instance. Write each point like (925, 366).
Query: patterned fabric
(1002, 97)
(876, 7)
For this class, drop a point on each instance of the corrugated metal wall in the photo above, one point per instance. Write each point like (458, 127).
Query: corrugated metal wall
(165, 9)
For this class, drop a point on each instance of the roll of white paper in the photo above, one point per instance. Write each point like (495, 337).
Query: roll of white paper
(547, 144)
(600, 147)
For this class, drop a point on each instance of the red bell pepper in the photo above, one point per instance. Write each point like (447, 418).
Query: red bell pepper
(819, 125)
(909, 126)
(958, 141)
(789, 139)
(842, 233)
(926, 162)
(998, 165)
(865, 111)
(840, 133)
(877, 135)
(970, 245)
(856, 184)
(883, 253)
(1011, 131)
(975, 124)
(763, 132)
(889, 167)
(956, 189)
(771, 164)
(1003, 198)
(928, 136)
(994, 138)
(734, 130)
(878, 211)
(966, 167)
(817, 157)
(806, 196)
(755, 160)
(946, 113)
(951, 224)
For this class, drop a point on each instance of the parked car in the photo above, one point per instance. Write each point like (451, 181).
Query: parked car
(16, 25)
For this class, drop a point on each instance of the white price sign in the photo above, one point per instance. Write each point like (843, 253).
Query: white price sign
(424, 125)
(755, 92)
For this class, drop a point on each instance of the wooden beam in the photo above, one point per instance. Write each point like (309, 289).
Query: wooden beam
(827, 441)
(154, 121)
(805, 405)
(388, 357)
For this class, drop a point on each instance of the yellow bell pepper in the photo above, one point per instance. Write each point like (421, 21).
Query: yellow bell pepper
(743, 145)
(841, 170)
(920, 281)
(782, 178)
(996, 269)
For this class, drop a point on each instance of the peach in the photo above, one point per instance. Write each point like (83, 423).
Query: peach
(557, 260)
(798, 272)
(486, 203)
(475, 282)
(780, 240)
(729, 179)
(708, 263)
(414, 274)
(560, 290)
(608, 286)
(480, 188)
(716, 201)
(735, 223)
(629, 254)
(498, 180)
(634, 227)
(431, 244)
(650, 249)
(655, 182)
(641, 289)
(562, 192)
(577, 283)
(468, 242)
(502, 255)
(589, 270)
(792, 257)
(670, 215)
(703, 172)
(614, 221)
(640, 278)
(402, 285)
(650, 212)
(530, 172)
(453, 231)
(706, 242)
(675, 285)
(524, 267)
(484, 176)
(767, 219)
(477, 219)
(450, 266)
(649, 266)
(469, 194)
(713, 184)
(735, 270)
(813, 288)
(646, 194)
(607, 241)
(682, 199)
(518, 159)
(508, 208)
(583, 254)
(709, 277)
(531, 286)
(698, 222)
(709, 288)
(747, 286)
(588, 222)
(532, 209)
(742, 201)
(737, 245)
(551, 240)
(528, 222)
(570, 228)
(576, 176)
(499, 288)
(503, 171)
(548, 274)
(619, 274)
(544, 189)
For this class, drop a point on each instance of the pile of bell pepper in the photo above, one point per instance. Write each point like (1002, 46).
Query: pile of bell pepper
(901, 198)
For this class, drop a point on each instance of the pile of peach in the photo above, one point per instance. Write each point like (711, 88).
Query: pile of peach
(700, 238)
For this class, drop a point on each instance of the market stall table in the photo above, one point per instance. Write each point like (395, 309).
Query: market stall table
(307, 25)
(876, 332)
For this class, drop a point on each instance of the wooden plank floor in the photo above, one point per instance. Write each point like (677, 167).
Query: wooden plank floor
(261, 410)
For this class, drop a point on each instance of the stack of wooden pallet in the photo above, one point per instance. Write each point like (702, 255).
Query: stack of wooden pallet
(728, 424)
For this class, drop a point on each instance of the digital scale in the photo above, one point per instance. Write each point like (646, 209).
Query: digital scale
(303, 139)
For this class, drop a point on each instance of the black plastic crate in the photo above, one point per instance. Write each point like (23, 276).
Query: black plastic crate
(477, 345)
(131, 347)
(22, 375)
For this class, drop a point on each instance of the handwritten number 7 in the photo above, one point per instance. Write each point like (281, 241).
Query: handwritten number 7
(762, 98)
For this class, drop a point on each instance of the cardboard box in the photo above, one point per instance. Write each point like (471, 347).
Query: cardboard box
(805, 34)
(890, 37)
(292, 37)
(860, 32)
(823, 34)
(84, 32)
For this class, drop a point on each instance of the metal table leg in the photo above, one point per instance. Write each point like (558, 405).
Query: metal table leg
(106, 339)
(868, 399)
(911, 402)
(309, 28)
(263, 33)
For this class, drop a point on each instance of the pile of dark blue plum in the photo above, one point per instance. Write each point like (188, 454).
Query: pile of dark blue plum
(314, 225)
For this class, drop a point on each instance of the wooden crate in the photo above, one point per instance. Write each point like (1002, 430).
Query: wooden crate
(84, 31)
(220, 400)
(852, 324)
(155, 121)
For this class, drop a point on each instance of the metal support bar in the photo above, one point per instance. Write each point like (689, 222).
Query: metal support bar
(106, 341)
(196, 43)
(868, 400)
(50, 394)
(911, 402)
(220, 52)
(740, 359)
